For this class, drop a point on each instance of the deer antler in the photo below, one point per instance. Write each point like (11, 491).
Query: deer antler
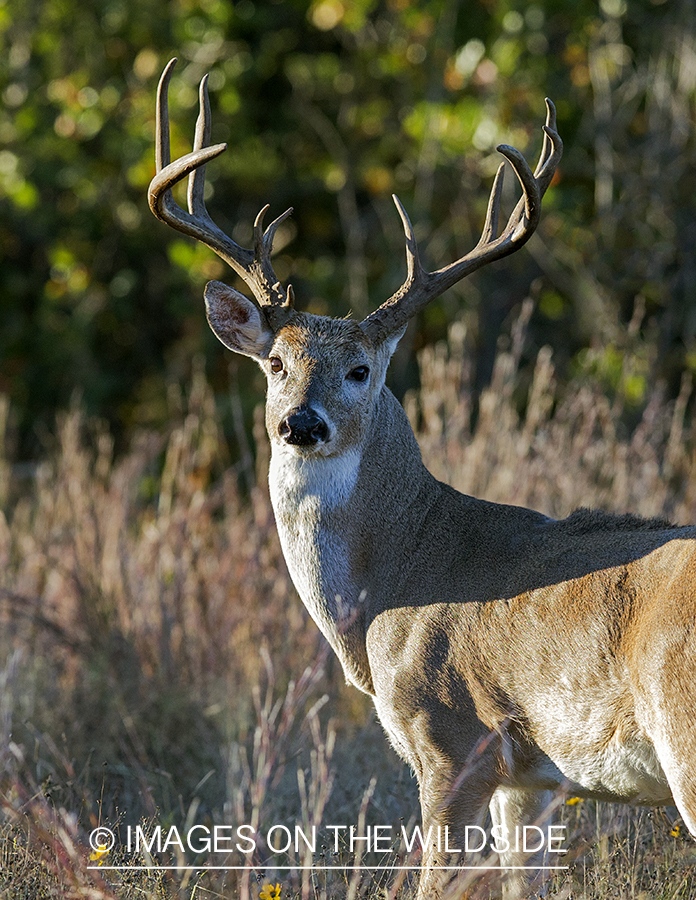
(420, 287)
(253, 266)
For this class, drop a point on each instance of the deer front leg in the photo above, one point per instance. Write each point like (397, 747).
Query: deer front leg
(453, 808)
(512, 807)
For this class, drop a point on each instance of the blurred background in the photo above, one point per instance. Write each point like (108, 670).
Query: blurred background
(329, 107)
(156, 664)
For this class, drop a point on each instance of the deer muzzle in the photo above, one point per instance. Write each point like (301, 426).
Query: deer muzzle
(304, 427)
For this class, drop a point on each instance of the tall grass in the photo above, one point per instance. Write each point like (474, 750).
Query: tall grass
(157, 667)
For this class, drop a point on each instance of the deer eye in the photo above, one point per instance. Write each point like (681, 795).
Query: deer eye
(276, 364)
(359, 373)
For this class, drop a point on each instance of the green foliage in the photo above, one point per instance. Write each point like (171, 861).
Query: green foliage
(329, 106)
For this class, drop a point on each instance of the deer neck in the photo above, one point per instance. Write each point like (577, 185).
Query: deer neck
(343, 522)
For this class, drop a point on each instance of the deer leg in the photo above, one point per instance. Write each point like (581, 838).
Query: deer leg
(510, 808)
(450, 807)
(669, 693)
(676, 750)
(675, 743)
(683, 788)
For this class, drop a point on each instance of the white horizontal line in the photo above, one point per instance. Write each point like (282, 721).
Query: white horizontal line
(273, 868)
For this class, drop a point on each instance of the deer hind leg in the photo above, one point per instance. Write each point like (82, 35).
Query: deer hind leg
(670, 695)
(683, 785)
(676, 750)
(510, 808)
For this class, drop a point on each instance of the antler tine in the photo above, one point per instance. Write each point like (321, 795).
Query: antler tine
(258, 231)
(420, 287)
(263, 240)
(413, 263)
(526, 214)
(548, 145)
(196, 185)
(162, 152)
(168, 174)
(490, 227)
(253, 266)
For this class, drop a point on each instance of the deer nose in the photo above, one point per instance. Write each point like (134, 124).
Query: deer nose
(303, 427)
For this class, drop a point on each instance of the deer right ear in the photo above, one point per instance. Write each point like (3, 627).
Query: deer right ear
(236, 321)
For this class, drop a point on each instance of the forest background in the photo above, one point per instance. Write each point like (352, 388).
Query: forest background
(155, 662)
(330, 107)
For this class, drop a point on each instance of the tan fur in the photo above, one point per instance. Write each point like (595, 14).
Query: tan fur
(505, 653)
(522, 653)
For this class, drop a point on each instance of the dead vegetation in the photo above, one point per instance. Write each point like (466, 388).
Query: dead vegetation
(157, 667)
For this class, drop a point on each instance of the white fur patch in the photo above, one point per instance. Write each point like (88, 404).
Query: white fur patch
(304, 493)
(294, 477)
(626, 768)
(630, 771)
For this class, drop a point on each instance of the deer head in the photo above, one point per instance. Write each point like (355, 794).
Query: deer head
(323, 373)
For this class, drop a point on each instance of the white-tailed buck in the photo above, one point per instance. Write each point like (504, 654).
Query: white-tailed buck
(508, 654)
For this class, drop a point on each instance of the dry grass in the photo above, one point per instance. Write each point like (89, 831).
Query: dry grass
(157, 667)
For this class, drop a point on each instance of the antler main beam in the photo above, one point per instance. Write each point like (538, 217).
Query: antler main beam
(253, 266)
(420, 286)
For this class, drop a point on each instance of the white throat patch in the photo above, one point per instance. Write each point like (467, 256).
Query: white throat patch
(328, 480)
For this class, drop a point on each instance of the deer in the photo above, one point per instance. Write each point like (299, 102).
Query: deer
(508, 655)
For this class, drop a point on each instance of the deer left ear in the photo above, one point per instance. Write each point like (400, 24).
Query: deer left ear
(391, 342)
(236, 321)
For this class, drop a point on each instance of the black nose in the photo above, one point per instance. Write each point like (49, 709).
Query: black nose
(303, 428)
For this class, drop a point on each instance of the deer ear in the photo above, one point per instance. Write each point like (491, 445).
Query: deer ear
(390, 343)
(236, 321)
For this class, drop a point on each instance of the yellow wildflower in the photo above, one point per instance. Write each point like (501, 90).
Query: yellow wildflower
(573, 801)
(98, 856)
(270, 892)
(675, 831)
